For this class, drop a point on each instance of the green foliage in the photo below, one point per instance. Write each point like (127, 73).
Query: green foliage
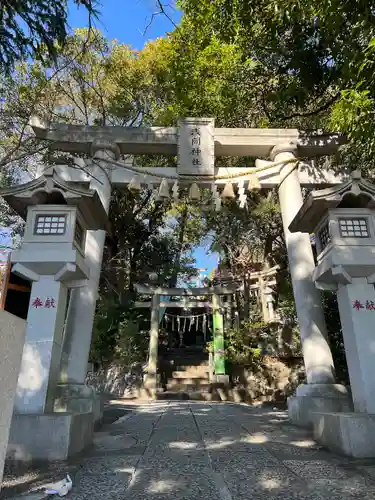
(142, 242)
(131, 343)
(108, 316)
(117, 334)
(245, 236)
(253, 340)
(8, 218)
(276, 63)
(285, 298)
(241, 345)
(354, 113)
(185, 226)
(34, 28)
(308, 65)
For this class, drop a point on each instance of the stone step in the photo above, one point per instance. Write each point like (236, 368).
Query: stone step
(188, 374)
(217, 395)
(181, 395)
(189, 380)
(187, 366)
(188, 361)
(188, 386)
(170, 395)
(196, 350)
(194, 358)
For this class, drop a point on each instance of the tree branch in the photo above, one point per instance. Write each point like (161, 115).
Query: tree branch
(7, 159)
(316, 111)
(161, 11)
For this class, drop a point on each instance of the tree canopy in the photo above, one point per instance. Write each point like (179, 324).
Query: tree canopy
(272, 63)
(34, 28)
(311, 62)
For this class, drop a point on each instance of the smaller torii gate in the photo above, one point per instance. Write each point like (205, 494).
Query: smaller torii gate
(150, 380)
(262, 283)
(256, 283)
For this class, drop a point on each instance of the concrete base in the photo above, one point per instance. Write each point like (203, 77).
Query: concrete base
(151, 386)
(221, 379)
(317, 398)
(79, 398)
(352, 434)
(54, 436)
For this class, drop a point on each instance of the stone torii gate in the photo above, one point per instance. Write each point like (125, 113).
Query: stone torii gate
(215, 292)
(197, 142)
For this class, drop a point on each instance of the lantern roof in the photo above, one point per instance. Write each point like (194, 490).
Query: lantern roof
(355, 193)
(51, 189)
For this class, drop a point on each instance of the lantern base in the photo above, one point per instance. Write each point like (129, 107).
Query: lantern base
(312, 398)
(79, 398)
(351, 434)
(50, 436)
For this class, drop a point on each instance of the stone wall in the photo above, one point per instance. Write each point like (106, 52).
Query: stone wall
(116, 380)
(269, 379)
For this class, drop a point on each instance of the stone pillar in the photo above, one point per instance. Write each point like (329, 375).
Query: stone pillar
(83, 301)
(357, 314)
(262, 299)
(72, 393)
(268, 296)
(219, 346)
(236, 320)
(150, 380)
(321, 390)
(43, 346)
(353, 433)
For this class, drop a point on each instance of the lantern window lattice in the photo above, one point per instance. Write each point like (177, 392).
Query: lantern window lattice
(324, 236)
(79, 235)
(50, 224)
(354, 228)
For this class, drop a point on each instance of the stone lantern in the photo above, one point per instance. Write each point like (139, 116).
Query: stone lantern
(52, 256)
(56, 223)
(343, 219)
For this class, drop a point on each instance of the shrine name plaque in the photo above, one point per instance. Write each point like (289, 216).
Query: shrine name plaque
(196, 146)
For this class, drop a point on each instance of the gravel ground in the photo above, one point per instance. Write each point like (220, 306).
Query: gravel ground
(192, 451)
(20, 477)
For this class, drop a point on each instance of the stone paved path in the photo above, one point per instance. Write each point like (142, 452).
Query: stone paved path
(183, 450)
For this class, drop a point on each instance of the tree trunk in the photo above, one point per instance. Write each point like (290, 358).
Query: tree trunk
(180, 243)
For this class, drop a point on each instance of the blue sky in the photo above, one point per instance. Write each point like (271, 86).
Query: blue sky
(205, 259)
(126, 22)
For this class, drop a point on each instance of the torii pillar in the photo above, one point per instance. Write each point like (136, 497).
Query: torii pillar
(151, 378)
(82, 306)
(219, 343)
(321, 391)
